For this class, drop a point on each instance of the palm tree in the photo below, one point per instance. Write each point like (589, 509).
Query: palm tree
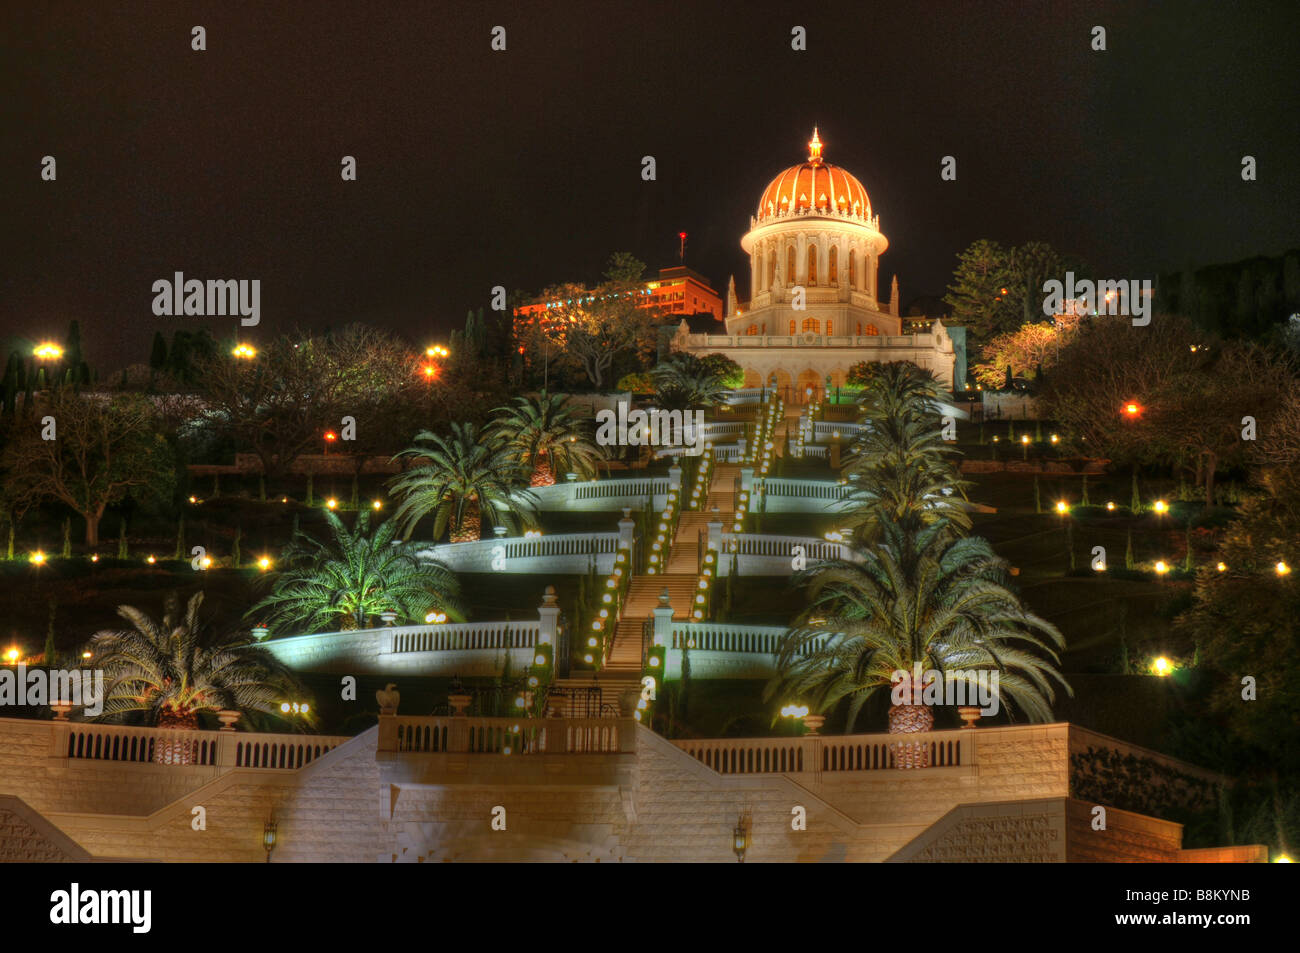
(172, 670)
(458, 479)
(923, 596)
(547, 435)
(899, 466)
(347, 581)
(684, 381)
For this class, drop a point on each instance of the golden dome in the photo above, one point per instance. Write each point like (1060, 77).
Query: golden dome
(815, 186)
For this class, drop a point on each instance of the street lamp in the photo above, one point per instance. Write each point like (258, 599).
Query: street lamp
(244, 351)
(46, 351)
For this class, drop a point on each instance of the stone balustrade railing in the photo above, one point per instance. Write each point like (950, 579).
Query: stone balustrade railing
(718, 637)
(879, 342)
(222, 749)
(815, 754)
(824, 430)
(407, 734)
(565, 553)
(755, 554)
(464, 636)
(600, 495)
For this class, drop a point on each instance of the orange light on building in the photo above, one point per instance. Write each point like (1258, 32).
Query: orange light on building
(430, 372)
(1132, 410)
(331, 436)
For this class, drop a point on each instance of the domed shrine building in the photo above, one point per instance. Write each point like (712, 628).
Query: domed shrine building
(814, 308)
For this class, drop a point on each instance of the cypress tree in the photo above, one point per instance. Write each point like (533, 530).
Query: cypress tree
(49, 636)
(67, 537)
(1187, 539)
(121, 538)
(158, 353)
(310, 494)
(235, 555)
(355, 492)
(1038, 499)
(1007, 384)
(1135, 504)
(9, 385)
(180, 538)
(1069, 541)
(1084, 500)
(29, 382)
(1128, 551)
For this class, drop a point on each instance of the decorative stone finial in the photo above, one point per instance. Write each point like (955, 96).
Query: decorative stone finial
(815, 148)
(548, 596)
(388, 698)
(663, 598)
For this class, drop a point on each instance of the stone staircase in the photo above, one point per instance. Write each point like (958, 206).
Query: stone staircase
(622, 671)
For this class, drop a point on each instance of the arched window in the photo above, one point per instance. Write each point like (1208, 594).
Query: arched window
(834, 275)
(812, 324)
(792, 327)
(829, 324)
(853, 268)
(871, 331)
(789, 265)
(753, 329)
(812, 265)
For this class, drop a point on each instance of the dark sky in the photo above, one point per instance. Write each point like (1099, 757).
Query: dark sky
(522, 168)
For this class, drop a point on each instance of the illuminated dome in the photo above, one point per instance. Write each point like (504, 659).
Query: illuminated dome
(814, 187)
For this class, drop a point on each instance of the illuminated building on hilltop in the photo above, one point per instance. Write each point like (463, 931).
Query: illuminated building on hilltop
(814, 307)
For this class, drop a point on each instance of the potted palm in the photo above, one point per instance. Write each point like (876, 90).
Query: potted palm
(171, 671)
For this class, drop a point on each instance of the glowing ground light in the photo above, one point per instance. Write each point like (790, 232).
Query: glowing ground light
(1282, 568)
(1222, 567)
(244, 351)
(1282, 859)
(12, 656)
(587, 658)
(151, 560)
(264, 563)
(436, 617)
(1162, 666)
(1132, 409)
(1161, 567)
(376, 504)
(95, 558)
(539, 660)
(1110, 507)
(1161, 506)
(38, 558)
(87, 654)
(47, 352)
(205, 562)
(332, 503)
(194, 499)
(1062, 506)
(1025, 439)
(1055, 439)
(794, 711)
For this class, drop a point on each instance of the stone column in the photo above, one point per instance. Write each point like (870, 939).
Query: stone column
(675, 478)
(746, 479)
(549, 615)
(663, 615)
(715, 539)
(626, 526)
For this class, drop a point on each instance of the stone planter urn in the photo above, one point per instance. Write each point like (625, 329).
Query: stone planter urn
(459, 701)
(260, 632)
(388, 698)
(60, 709)
(970, 714)
(228, 717)
(388, 616)
(814, 723)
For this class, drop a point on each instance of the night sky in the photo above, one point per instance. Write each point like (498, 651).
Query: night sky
(522, 168)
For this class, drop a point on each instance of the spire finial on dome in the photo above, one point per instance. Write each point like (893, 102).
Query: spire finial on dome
(815, 147)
